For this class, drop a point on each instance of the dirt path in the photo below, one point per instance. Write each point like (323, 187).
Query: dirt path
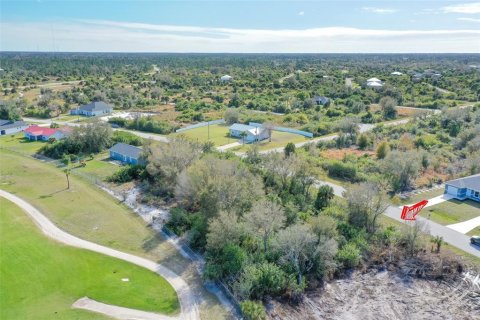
(117, 312)
(188, 303)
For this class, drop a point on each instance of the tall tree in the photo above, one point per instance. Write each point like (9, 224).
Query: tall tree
(297, 247)
(366, 202)
(265, 218)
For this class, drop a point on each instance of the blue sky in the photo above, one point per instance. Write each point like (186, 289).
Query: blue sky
(240, 26)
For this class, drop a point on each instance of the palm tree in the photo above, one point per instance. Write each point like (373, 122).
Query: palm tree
(437, 240)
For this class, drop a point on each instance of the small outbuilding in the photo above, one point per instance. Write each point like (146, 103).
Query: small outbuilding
(464, 188)
(11, 126)
(396, 73)
(127, 153)
(96, 108)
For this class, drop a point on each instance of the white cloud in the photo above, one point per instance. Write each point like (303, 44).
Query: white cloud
(301, 13)
(96, 35)
(469, 19)
(379, 10)
(469, 8)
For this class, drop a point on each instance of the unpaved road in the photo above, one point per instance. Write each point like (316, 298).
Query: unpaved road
(188, 303)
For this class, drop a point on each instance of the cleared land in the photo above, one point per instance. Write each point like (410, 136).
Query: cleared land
(91, 214)
(452, 211)
(42, 278)
(219, 134)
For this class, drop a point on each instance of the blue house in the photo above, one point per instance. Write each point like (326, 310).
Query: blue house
(464, 188)
(127, 154)
(248, 133)
(96, 108)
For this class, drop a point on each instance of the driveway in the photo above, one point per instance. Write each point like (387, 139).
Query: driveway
(188, 303)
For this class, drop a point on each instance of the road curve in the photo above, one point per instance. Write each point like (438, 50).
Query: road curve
(188, 303)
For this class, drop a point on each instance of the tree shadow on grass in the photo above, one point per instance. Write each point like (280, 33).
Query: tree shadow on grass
(51, 194)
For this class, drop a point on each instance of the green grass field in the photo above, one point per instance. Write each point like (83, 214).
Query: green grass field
(42, 278)
(18, 143)
(219, 134)
(90, 213)
(279, 139)
(452, 211)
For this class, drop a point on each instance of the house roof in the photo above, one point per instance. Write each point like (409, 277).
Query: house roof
(471, 182)
(35, 130)
(374, 84)
(95, 106)
(226, 77)
(374, 80)
(7, 124)
(396, 73)
(321, 99)
(241, 127)
(126, 150)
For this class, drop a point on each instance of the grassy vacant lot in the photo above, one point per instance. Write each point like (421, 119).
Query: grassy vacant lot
(42, 278)
(18, 143)
(219, 134)
(423, 196)
(100, 167)
(279, 139)
(89, 213)
(452, 211)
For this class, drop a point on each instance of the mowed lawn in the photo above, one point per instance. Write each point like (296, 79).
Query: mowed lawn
(279, 139)
(18, 143)
(42, 278)
(83, 210)
(219, 134)
(452, 211)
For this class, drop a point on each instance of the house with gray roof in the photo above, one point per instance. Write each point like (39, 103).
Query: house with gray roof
(248, 133)
(321, 100)
(11, 126)
(127, 154)
(464, 188)
(96, 108)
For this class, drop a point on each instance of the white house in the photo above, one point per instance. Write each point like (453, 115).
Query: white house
(248, 133)
(96, 108)
(226, 78)
(396, 73)
(11, 126)
(374, 83)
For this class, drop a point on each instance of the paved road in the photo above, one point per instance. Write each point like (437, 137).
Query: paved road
(188, 303)
(450, 236)
(364, 127)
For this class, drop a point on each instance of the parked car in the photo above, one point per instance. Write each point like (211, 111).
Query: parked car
(475, 240)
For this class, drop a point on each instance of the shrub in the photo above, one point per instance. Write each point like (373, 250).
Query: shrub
(128, 173)
(253, 310)
(342, 170)
(126, 137)
(349, 255)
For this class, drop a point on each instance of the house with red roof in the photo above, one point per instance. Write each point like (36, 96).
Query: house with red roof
(35, 132)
